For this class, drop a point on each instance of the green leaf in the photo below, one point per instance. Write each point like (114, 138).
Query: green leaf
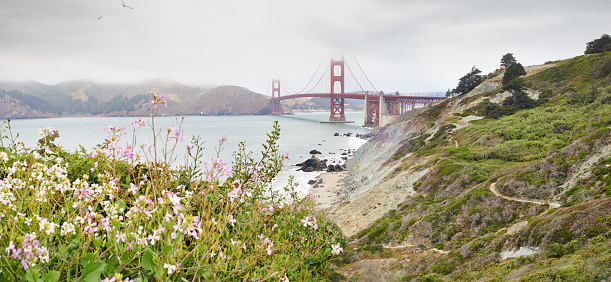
(32, 274)
(89, 257)
(205, 271)
(92, 271)
(167, 249)
(97, 243)
(122, 204)
(147, 259)
(74, 244)
(113, 265)
(52, 276)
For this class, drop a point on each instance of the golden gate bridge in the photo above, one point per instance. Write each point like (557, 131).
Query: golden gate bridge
(380, 109)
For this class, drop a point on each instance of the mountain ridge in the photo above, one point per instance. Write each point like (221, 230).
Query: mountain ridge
(90, 98)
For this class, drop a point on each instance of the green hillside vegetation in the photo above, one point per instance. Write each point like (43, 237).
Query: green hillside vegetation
(529, 149)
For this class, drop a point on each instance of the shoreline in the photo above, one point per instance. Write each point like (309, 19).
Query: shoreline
(325, 192)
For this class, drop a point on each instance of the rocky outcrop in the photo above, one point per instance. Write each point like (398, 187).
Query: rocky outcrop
(312, 164)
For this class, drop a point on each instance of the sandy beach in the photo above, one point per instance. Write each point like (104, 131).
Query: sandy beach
(324, 192)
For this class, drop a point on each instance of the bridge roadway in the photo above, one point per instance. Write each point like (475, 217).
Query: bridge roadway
(416, 99)
(380, 109)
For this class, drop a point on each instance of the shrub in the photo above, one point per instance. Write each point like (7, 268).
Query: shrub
(143, 219)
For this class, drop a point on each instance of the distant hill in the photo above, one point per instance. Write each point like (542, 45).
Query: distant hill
(16, 104)
(80, 97)
(229, 100)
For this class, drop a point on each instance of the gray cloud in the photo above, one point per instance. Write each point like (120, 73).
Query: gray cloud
(407, 46)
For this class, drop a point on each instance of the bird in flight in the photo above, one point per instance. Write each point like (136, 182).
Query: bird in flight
(125, 5)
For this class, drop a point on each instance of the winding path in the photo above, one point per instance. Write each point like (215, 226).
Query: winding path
(496, 193)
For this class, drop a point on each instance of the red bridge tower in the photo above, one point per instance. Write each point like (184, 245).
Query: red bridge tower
(276, 108)
(337, 103)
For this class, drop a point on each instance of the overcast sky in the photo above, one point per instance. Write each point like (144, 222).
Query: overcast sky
(403, 45)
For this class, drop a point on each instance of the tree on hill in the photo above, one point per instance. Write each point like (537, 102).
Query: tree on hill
(507, 60)
(603, 44)
(468, 82)
(449, 93)
(512, 72)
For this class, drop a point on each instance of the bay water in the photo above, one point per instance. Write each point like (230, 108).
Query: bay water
(299, 134)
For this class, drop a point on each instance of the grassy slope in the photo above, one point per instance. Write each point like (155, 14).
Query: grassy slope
(529, 155)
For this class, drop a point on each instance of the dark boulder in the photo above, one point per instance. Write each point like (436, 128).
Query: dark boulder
(315, 152)
(311, 164)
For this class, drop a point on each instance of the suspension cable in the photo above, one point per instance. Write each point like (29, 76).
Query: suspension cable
(291, 88)
(311, 78)
(285, 90)
(321, 77)
(357, 62)
(357, 81)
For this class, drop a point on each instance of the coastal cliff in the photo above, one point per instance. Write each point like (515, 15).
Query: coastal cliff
(457, 192)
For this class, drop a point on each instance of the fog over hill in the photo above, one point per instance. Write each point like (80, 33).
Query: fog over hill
(31, 99)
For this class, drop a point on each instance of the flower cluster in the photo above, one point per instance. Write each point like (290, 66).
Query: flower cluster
(310, 221)
(106, 212)
(336, 249)
(30, 251)
(159, 99)
(138, 123)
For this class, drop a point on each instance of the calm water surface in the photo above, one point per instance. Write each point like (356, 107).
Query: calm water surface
(299, 134)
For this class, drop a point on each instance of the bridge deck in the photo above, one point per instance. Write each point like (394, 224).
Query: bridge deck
(359, 97)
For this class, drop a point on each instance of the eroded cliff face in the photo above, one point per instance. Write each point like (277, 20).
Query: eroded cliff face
(377, 184)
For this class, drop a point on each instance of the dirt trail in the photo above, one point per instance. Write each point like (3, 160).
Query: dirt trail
(496, 193)
(410, 245)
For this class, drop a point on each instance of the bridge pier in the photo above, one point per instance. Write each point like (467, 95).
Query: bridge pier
(389, 110)
(372, 110)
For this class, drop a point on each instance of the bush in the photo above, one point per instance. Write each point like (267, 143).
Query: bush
(143, 219)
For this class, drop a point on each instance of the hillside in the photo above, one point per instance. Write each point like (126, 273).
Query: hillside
(229, 100)
(86, 98)
(489, 186)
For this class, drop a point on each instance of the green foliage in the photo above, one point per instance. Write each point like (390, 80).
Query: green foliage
(556, 250)
(434, 112)
(429, 277)
(507, 60)
(149, 220)
(468, 82)
(574, 77)
(512, 72)
(602, 44)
